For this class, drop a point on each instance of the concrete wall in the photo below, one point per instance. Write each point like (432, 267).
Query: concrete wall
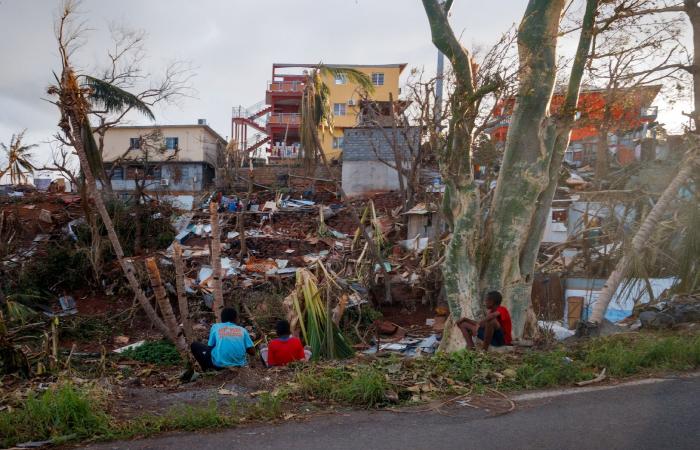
(361, 177)
(363, 171)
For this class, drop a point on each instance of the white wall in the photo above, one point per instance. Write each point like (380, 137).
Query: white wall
(360, 177)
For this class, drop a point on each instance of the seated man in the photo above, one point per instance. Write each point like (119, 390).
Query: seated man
(286, 348)
(494, 329)
(228, 344)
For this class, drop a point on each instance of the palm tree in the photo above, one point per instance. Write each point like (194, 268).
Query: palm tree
(316, 112)
(18, 159)
(74, 101)
(643, 234)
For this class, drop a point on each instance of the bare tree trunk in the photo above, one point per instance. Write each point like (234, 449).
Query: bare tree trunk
(643, 235)
(181, 292)
(524, 173)
(126, 265)
(216, 259)
(175, 332)
(560, 134)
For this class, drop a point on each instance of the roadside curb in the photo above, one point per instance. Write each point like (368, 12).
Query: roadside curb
(539, 395)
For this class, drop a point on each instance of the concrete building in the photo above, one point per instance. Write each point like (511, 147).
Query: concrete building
(363, 152)
(168, 158)
(631, 126)
(273, 124)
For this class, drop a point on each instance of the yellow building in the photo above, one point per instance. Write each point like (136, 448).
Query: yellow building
(276, 120)
(345, 96)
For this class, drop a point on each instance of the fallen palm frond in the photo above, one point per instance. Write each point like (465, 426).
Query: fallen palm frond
(313, 312)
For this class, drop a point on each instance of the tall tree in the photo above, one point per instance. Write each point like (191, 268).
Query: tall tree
(123, 68)
(73, 102)
(496, 248)
(19, 159)
(630, 57)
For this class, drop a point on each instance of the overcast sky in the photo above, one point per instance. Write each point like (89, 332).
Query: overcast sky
(230, 43)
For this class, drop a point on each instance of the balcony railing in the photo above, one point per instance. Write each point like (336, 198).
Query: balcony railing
(285, 151)
(284, 119)
(286, 86)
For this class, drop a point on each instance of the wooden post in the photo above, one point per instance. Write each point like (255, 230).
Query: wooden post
(181, 293)
(174, 332)
(216, 259)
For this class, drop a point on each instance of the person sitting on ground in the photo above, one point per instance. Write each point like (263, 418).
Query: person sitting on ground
(494, 329)
(227, 346)
(286, 348)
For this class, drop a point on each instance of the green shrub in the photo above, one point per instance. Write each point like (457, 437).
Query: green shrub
(59, 414)
(162, 353)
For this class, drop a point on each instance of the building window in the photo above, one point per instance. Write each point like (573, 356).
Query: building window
(340, 78)
(378, 79)
(338, 142)
(339, 109)
(118, 173)
(153, 172)
(559, 215)
(171, 143)
(135, 143)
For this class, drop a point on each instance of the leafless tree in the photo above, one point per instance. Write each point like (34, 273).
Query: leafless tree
(124, 68)
(630, 53)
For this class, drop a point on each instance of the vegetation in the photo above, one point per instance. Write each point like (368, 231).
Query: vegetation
(64, 265)
(363, 386)
(73, 413)
(156, 352)
(317, 326)
(59, 414)
(316, 111)
(19, 159)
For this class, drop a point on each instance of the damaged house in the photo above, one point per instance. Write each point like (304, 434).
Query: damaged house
(166, 158)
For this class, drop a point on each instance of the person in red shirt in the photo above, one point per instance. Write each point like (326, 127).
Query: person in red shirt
(286, 348)
(495, 329)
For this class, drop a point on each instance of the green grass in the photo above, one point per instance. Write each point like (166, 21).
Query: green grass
(539, 370)
(69, 413)
(269, 406)
(157, 352)
(621, 356)
(624, 356)
(365, 386)
(59, 414)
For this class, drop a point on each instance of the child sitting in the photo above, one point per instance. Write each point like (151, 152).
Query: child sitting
(286, 348)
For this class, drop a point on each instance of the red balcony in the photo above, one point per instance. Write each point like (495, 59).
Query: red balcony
(284, 119)
(286, 86)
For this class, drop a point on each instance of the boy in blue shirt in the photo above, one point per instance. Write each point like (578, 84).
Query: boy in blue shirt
(227, 346)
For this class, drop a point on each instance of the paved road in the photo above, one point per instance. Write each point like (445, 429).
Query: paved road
(656, 415)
